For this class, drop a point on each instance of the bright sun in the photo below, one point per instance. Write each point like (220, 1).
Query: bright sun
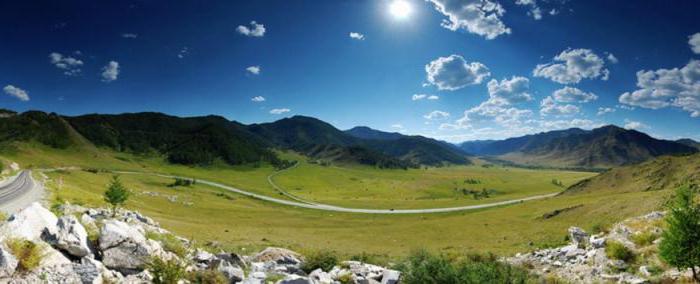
(400, 9)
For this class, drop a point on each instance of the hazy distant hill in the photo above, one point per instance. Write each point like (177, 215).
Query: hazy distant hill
(689, 142)
(308, 135)
(603, 147)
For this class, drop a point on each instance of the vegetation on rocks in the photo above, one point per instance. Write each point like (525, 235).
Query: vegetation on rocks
(323, 259)
(166, 271)
(616, 250)
(28, 253)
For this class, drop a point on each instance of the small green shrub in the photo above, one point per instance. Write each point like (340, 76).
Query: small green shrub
(644, 239)
(323, 259)
(273, 278)
(423, 267)
(170, 243)
(166, 271)
(616, 250)
(28, 253)
(208, 276)
(346, 279)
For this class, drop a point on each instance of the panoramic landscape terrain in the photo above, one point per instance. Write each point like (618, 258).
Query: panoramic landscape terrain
(390, 141)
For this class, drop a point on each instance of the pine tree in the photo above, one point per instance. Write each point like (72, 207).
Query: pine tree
(116, 194)
(680, 246)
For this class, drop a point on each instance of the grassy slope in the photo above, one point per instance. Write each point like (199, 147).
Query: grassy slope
(365, 187)
(208, 214)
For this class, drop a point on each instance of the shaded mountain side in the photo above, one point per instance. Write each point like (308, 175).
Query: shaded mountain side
(662, 173)
(302, 133)
(194, 140)
(356, 154)
(689, 142)
(604, 147)
(46, 128)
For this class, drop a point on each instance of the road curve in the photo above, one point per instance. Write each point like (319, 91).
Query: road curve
(14, 190)
(318, 206)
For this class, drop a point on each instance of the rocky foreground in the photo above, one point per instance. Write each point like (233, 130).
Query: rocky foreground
(90, 246)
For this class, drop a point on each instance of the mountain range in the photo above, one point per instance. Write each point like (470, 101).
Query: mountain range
(206, 139)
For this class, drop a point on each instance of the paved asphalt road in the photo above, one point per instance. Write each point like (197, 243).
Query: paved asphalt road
(16, 189)
(325, 207)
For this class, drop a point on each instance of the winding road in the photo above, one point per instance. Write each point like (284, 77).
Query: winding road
(19, 191)
(298, 202)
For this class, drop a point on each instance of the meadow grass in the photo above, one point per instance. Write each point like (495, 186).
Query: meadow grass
(237, 223)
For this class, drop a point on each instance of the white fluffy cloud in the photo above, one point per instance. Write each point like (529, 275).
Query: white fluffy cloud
(453, 73)
(418, 97)
(694, 41)
(481, 17)
(69, 65)
(279, 110)
(437, 115)
(573, 65)
(258, 99)
(130, 35)
(630, 124)
(111, 71)
(18, 93)
(549, 106)
(605, 110)
(612, 59)
(255, 70)
(667, 88)
(513, 91)
(573, 95)
(357, 36)
(535, 11)
(433, 97)
(255, 30)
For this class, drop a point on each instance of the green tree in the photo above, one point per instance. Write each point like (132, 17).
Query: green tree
(116, 194)
(680, 246)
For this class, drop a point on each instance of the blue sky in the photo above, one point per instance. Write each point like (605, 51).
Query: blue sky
(477, 69)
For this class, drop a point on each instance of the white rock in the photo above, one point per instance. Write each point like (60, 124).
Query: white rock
(233, 273)
(390, 276)
(29, 223)
(125, 248)
(69, 236)
(8, 263)
(597, 242)
(578, 236)
(295, 279)
(89, 270)
(278, 255)
(319, 277)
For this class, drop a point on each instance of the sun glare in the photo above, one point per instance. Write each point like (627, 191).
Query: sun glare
(400, 9)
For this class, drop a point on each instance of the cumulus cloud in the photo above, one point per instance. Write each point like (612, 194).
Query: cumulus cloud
(481, 17)
(110, 72)
(453, 73)
(258, 99)
(573, 65)
(573, 95)
(694, 42)
(513, 90)
(18, 93)
(254, 70)
(418, 97)
(491, 111)
(433, 97)
(437, 115)
(357, 36)
(254, 30)
(535, 11)
(69, 65)
(130, 35)
(279, 110)
(549, 106)
(612, 59)
(630, 124)
(605, 110)
(667, 88)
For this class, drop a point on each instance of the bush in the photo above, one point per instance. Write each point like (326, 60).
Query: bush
(166, 271)
(208, 276)
(323, 259)
(616, 250)
(28, 254)
(644, 239)
(422, 267)
(170, 243)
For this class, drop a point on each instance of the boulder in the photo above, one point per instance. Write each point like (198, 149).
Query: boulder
(8, 263)
(233, 258)
(89, 270)
(125, 248)
(279, 256)
(233, 273)
(29, 223)
(390, 276)
(319, 277)
(597, 242)
(578, 236)
(295, 279)
(70, 236)
(202, 256)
